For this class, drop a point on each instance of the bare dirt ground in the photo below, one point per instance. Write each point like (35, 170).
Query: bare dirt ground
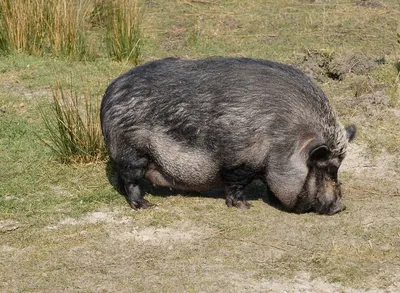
(196, 244)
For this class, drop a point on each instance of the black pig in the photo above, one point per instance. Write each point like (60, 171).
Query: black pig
(197, 125)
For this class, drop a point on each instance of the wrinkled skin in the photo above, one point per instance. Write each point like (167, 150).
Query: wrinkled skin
(308, 180)
(322, 192)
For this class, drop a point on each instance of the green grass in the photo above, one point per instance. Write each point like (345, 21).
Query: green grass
(195, 243)
(73, 125)
(123, 25)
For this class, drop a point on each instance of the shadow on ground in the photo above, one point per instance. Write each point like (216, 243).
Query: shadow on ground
(253, 191)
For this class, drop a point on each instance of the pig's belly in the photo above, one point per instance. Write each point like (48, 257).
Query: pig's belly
(156, 175)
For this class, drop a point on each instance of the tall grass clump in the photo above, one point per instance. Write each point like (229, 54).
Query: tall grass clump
(4, 46)
(73, 125)
(123, 25)
(45, 26)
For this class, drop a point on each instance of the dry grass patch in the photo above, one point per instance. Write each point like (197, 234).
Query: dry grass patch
(72, 29)
(56, 26)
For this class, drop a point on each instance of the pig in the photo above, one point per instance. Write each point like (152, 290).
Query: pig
(198, 125)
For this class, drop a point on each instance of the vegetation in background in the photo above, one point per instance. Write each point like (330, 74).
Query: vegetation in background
(123, 20)
(73, 125)
(64, 28)
(73, 29)
(39, 27)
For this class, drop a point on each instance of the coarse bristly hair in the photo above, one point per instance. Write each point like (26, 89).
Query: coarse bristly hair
(191, 97)
(194, 118)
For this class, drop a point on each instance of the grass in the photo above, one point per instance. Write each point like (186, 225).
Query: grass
(56, 26)
(59, 220)
(124, 38)
(72, 29)
(74, 129)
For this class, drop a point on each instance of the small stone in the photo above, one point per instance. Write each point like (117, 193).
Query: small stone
(8, 225)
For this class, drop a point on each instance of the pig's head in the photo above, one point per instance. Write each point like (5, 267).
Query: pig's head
(307, 179)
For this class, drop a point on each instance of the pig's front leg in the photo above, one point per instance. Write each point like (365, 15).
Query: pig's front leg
(235, 181)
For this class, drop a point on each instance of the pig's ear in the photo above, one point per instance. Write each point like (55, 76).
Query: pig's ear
(319, 153)
(315, 151)
(351, 132)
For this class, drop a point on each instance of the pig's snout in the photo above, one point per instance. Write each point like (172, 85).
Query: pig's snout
(338, 207)
(335, 208)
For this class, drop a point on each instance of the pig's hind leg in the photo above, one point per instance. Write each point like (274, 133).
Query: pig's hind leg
(235, 180)
(131, 166)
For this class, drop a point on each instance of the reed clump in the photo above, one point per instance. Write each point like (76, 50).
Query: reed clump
(73, 28)
(73, 125)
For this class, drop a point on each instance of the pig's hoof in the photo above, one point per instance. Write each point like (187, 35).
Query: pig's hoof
(143, 204)
(242, 204)
(229, 202)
